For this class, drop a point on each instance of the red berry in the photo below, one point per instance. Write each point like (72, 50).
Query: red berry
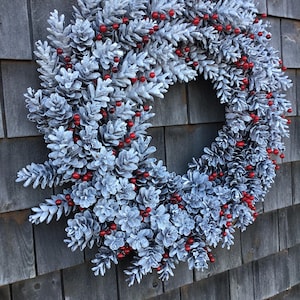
(130, 123)
(206, 17)
(251, 65)
(103, 28)
(132, 135)
(244, 58)
(196, 21)
(138, 114)
(120, 255)
(146, 174)
(251, 174)
(76, 117)
(152, 75)
(187, 247)
(125, 20)
(229, 216)
(240, 144)
(127, 140)
(67, 59)
(115, 26)
(166, 255)
(71, 203)
(155, 27)
(283, 68)
(228, 27)
(145, 39)
(270, 102)
(113, 226)
(155, 15)
(215, 16)
(237, 31)
(195, 64)
(290, 110)
(98, 37)
(268, 36)
(264, 15)
(282, 156)
(119, 103)
(151, 31)
(143, 79)
(171, 13)
(68, 197)
(106, 76)
(276, 151)
(148, 210)
(58, 202)
(245, 66)
(162, 17)
(259, 33)
(85, 178)
(114, 69)
(121, 144)
(116, 59)
(76, 175)
(146, 107)
(190, 240)
(219, 27)
(59, 51)
(228, 224)
(133, 80)
(246, 81)
(102, 233)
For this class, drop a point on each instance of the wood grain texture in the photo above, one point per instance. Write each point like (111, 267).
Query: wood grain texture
(182, 276)
(16, 247)
(40, 12)
(295, 182)
(294, 265)
(5, 292)
(241, 282)
(14, 30)
(46, 287)
(185, 142)
(284, 8)
(80, 283)
(289, 227)
(292, 152)
(14, 155)
(172, 295)
(224, 259)
(172, 110)
(204, 106)
(150, 285)
(280, 194)
(271, 275)
(290, 30)
(292, 293)
(214, 288)
(51, 252)
(261, 239)
(22, 75)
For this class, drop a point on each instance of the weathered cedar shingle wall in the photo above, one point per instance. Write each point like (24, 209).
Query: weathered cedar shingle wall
(35, 263)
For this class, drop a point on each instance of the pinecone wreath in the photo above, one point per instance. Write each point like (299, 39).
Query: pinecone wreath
(99, 75)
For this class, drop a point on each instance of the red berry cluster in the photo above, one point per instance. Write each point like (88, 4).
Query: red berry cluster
(176, 199)
(249, 200)
(123, 251)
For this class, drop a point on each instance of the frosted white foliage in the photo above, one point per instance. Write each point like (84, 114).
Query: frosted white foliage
(99, 76)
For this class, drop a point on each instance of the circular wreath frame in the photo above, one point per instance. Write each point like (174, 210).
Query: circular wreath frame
(98, 75)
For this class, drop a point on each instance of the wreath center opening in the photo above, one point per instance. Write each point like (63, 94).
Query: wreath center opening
(185, 122)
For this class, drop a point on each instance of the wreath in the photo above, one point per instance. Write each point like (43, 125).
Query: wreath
(99, 75)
